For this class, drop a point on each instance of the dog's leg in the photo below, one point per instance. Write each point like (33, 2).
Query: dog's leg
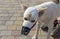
(48, 35)
(49, 32)
(37, 31)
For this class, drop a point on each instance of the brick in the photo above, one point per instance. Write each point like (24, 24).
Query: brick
(19, 27)
(42, 37)
(51, 37)
(1, 14)
(9, 8)
(18, 23)
(20, 11)
(12, 1)
(5, 33)
(17, 14)
(2, 22)
(4, 37)
(0, 37)
(23, 37)
(5, 14)
(7, 1)
(12, 27)
(32, 33)
(10, 37)
(13, 18)
(9, 22)
(0, 5)
(16, 33)
(3, 27)
(4, 18)
(19, 18)
(18, 37)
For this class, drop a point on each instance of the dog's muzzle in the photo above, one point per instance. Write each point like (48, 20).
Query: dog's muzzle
(25, 30)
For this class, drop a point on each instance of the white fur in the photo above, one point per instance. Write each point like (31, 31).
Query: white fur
(34, 16)
(32, 11)
(49, 14)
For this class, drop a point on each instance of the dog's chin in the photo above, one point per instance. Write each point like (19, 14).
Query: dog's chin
(25, 31)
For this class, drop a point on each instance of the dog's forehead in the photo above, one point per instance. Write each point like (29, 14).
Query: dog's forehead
(31, 11)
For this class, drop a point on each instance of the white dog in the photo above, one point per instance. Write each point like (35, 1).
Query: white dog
(44, 13)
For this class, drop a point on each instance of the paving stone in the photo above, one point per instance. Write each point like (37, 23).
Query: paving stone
(5, 14)
(9, 22)
(2, 22)
(17, 14)
(3, 27)
(18, 37)
(16, 33)
(10, 37)
(32, 33)
(0, 37)
(4, 37)
(42, 38)
(18, 23)
(19, 11)
(23, 37)
(13, 18)
(4, 18)
(5, 33)
(12, 27)
(19, 18)
(19, 27)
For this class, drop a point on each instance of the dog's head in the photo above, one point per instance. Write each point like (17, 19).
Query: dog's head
(30, 18)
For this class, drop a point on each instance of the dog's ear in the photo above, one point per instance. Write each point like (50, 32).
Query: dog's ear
(24, 6)
(41, 9)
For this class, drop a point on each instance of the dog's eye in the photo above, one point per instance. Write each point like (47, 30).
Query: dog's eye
(25, 18)
(32, 20)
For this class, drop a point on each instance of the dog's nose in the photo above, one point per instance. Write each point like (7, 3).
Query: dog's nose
(25, 30)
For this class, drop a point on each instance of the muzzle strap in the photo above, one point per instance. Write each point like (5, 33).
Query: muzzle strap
(33, 25)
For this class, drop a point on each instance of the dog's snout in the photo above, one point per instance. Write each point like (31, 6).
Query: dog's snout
(25, 30)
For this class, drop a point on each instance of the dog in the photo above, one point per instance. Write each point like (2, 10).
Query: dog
(43, 13)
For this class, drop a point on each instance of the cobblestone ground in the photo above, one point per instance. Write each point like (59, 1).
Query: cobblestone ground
(11, 19)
